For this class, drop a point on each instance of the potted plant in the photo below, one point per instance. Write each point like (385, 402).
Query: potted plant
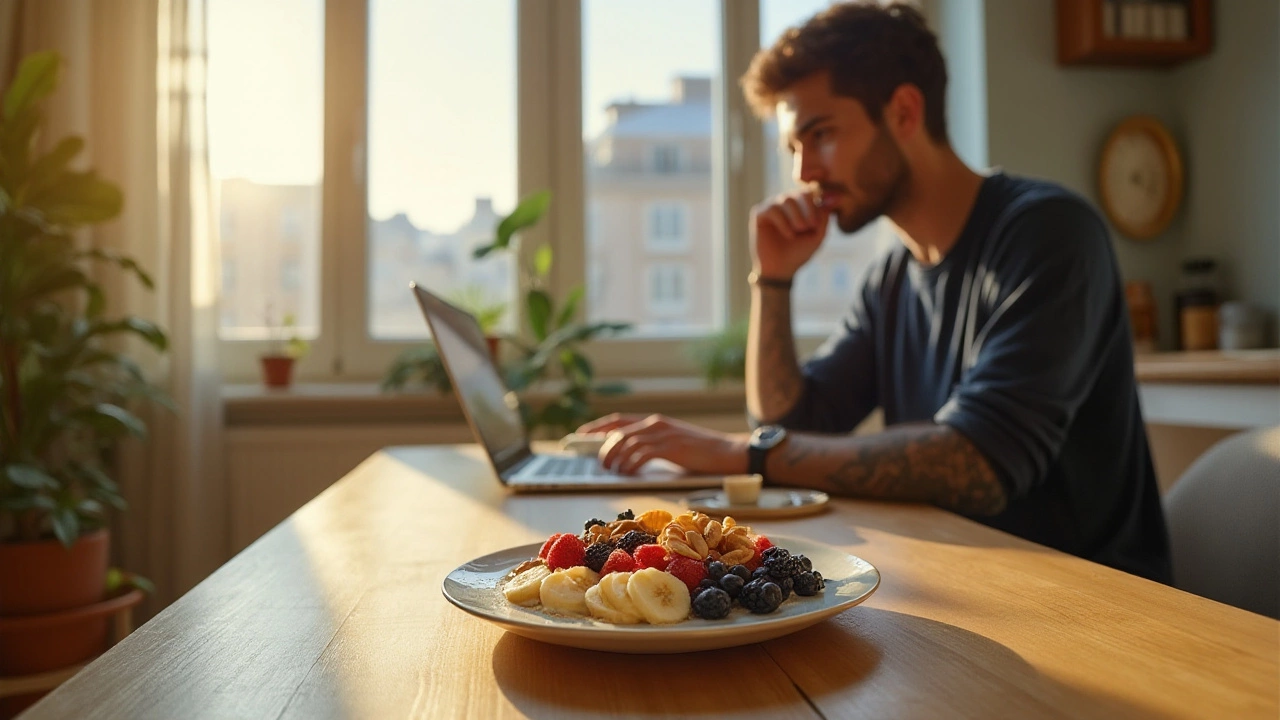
(67, 397)
(554, 359)
(287, 347)
(723, 355)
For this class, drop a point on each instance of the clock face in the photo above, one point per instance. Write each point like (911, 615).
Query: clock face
(1141, 178)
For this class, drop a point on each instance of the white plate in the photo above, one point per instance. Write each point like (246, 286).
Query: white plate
(474, 588)
(773, 503)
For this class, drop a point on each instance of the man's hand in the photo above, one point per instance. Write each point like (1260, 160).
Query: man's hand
(786, 231)
(636, 439)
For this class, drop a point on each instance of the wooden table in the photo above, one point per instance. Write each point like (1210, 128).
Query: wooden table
(337, 612)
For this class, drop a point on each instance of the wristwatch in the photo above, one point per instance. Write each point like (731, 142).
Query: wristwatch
(764, 439)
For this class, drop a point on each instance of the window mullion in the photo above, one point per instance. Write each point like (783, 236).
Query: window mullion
(740, 143)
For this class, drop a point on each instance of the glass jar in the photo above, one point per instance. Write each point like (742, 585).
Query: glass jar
(1241, 327)
(1196, 305)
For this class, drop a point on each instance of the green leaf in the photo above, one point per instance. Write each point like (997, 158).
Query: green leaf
(612, 387)
(483, 250)
(47, 169)
(527, 213)
(145, 329)
(66, 526)
(36, 78)
(539, 303)
(570, 306)
(118, 579)
(125, 263)
(97, 302)
(111, 420)
(77, 199)
(542, 261)
(31, 478)
(577, 365)
(25, 502)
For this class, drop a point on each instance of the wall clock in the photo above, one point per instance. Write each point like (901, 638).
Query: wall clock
(1140, 177)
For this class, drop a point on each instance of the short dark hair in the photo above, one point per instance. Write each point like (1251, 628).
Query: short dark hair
(869, 50)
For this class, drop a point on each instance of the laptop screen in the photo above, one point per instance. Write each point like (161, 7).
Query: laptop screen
(493, 410)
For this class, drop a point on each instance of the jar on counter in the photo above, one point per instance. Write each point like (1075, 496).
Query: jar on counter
(1196, 305)
(1241, 327)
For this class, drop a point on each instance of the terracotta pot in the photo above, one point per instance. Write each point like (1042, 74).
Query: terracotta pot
(277, 370)
(493, 341)
(48, 594)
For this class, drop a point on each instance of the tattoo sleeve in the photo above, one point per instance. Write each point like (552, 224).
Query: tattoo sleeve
(774, 382)
(920, 462)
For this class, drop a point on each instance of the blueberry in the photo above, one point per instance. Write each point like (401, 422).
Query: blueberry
(805, 563)
(806, 584)
(741, 571)
(761, 572)
(707, 583)
(712, 604)
(716, 570)
(732, 584)
(787, 585)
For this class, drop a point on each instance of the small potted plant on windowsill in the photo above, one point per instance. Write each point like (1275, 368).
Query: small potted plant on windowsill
(287, 347)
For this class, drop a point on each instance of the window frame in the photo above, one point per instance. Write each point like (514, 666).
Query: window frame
(550, 155)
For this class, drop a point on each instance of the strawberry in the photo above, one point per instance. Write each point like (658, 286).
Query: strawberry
(651, 556)
(546, 546)
(566, 552)
(690, 571)
(619, 561)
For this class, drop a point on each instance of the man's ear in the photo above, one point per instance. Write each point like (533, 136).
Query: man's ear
(904, 113)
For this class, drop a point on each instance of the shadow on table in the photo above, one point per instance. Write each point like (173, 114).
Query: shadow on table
(869, 662)
(543, 681)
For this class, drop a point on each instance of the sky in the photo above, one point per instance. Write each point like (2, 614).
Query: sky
(442, 93)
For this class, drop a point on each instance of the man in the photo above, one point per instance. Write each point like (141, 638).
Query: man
(995, 338)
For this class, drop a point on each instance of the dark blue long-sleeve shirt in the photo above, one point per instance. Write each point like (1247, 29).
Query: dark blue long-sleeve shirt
(1018, 339)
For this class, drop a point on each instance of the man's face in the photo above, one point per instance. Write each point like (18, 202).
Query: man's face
(855, 164)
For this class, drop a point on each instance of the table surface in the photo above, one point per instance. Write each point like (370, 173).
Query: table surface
(337, 612)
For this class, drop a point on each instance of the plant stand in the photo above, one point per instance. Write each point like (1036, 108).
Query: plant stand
(17, 692)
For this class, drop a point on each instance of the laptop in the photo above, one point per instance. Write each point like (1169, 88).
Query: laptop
(493, 412)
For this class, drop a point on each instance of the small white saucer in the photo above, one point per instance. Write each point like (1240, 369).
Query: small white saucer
(773, 503)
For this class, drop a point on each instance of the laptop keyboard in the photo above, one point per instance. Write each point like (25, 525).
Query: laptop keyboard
(553, 466)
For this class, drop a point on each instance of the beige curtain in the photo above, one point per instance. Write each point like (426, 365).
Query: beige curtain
(133, 86)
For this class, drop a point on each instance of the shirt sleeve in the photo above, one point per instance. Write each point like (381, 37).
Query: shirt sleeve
(839, 380)
(1052, 286)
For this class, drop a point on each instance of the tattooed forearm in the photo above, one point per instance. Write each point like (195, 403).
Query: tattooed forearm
(774, 383)
(921, 462)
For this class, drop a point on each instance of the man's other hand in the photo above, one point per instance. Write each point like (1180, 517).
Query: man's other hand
(786, 231)
(636, 439)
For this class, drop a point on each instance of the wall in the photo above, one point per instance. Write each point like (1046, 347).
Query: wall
(1051, 122)
(1229, 107)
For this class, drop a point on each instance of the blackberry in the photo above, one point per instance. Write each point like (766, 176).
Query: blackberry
(635, 539)
(706, 584)
(592, 523)
(822, 583)
(712, 604)
(806, 584)
(805, 563)
(741, 571)
(783, 566)
(760, 597)
(760, 572)
(773, 552)
(628, 515)
(716, 570)
(787, 585)
(597, 555)
(732, 584)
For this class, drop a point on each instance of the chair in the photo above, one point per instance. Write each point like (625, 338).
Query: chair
(1224, 523)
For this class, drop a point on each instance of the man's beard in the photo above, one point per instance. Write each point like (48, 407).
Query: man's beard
(880, 178)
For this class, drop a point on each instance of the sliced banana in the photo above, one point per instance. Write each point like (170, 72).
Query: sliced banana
(601, 611)
(565, 591)
(661, 597)
(524, 589)
(613, 591)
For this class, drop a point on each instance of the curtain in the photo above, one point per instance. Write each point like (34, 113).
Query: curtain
(133, 85)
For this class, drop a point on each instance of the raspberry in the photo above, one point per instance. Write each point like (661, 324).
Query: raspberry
(619, 561)
(690, 571)
(635, 539)
(762, 544)
(546, 546)
(597, 555)
(651, 556)
(566, 552)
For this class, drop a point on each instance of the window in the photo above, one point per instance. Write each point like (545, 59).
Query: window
(666, 227)
(267, 164)
(668, 292)
(382, 149)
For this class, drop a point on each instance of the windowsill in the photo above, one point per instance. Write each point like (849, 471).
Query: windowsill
(251, 404)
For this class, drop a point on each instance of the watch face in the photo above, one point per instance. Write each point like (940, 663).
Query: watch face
(768, 436)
